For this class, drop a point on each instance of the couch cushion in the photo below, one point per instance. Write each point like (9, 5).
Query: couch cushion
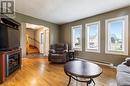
(57, 55)
(123, 79)
(60, 52)
(59, 49)
(123, 68)
(123, 75)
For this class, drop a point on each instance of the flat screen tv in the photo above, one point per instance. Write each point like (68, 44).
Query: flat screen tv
(9, 37)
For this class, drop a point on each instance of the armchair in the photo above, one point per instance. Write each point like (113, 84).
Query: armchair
(58, 53)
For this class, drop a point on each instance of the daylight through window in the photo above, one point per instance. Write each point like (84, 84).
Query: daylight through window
(92, 36)
(77, 37)
(117, 35)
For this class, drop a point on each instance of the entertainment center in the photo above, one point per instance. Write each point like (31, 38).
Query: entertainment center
(10, 52)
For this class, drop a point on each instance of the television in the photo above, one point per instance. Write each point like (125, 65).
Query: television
(9, 36)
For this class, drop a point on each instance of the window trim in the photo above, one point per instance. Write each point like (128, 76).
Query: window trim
(73, 27)
(86, 34)
(125, 33)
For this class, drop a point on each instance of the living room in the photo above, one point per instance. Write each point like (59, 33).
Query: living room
(88, 43)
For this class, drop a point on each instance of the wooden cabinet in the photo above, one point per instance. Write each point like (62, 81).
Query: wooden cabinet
(2, 67)
(9, 62)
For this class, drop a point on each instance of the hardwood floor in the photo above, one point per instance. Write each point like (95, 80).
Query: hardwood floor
(39, 72)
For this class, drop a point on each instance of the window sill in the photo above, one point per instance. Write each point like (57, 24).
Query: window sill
(117, 53)
(77, 49)
(92, 51)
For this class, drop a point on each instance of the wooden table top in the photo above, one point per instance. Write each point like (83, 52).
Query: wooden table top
(83, 69)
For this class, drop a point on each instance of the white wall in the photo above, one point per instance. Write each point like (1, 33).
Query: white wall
(43, 48)
(30, 33)
(23, 39)
(37, 38)
(47, 42)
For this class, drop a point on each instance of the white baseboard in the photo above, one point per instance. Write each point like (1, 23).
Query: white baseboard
(102, 63)
(106, 64)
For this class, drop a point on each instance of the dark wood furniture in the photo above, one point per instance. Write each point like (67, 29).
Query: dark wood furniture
(10, 52)
(10, 61)
(82, 71)
(71, 54)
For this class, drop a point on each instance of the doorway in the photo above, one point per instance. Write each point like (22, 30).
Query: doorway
(36, 40)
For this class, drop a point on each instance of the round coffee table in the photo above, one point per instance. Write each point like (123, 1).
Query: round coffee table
(82, 71)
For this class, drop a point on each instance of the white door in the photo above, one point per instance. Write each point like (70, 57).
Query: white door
(42, 43)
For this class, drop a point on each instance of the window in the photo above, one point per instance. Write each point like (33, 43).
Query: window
(117, 35)
(77, 37)
(92, 37)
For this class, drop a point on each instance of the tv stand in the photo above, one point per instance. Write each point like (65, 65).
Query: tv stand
(10, 61)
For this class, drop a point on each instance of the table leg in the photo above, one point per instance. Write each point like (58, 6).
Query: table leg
(93, 81)
(69, 80)
(90, 81)
(87, 84)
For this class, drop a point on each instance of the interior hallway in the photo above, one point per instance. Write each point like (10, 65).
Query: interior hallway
(37, 40)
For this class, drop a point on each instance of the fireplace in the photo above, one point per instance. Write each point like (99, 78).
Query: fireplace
(12, 62)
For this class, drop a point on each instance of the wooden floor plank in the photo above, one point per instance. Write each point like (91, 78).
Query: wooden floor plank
(39, 72)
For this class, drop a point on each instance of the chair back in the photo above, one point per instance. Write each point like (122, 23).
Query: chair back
(59, 47)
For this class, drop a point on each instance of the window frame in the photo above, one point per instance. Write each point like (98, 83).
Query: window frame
(73, 27)
(86, 37)
(125, 35)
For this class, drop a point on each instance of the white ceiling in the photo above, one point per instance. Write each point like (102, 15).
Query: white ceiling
(64, 11)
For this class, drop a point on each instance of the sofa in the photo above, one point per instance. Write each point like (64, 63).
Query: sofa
(58, 53)
(123, 73)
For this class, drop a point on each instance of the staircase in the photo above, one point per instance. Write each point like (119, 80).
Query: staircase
(32, 50)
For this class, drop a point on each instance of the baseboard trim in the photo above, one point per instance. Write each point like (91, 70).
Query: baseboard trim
(102, 63)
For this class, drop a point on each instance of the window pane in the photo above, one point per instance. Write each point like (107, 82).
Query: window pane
(92, 36)
(76, 38)
(115, 35)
